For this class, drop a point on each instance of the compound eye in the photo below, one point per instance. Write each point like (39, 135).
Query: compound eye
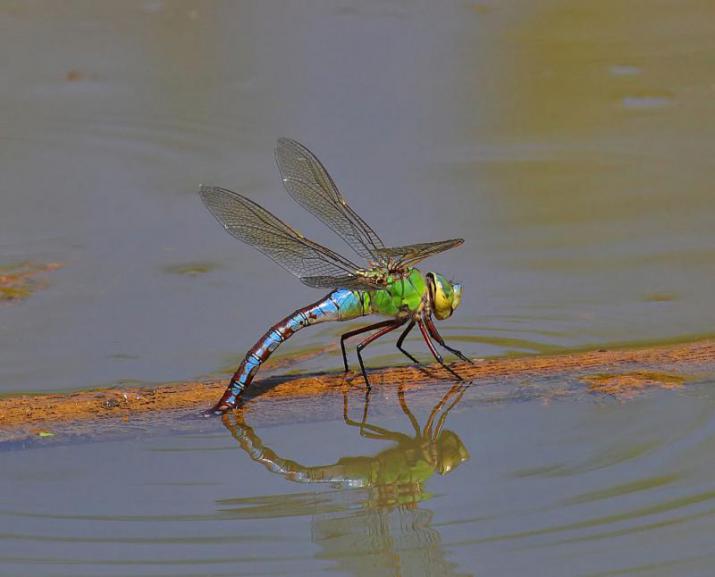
(442, 298)
(457, 296)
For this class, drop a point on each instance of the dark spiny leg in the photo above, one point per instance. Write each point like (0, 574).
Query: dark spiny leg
(434, 352)
(436, 336)
(459, 389)
(358, 332)
(402, 338)
(365, 409)
(366, 429)
(406, 410)
(390, 326)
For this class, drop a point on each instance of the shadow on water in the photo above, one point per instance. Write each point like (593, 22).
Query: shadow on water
(374, 515)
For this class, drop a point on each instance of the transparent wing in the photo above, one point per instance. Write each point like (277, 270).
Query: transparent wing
(315, 265)
(310, 185)
(346, 282)
(410, 255)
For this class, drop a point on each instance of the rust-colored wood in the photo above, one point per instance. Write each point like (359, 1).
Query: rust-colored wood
(620, 373)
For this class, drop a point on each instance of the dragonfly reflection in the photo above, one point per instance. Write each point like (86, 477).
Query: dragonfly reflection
(373, 516)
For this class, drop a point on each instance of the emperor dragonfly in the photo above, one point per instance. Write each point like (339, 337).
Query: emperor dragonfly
(388, 286)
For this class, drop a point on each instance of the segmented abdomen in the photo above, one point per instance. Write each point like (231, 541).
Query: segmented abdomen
(340, 305)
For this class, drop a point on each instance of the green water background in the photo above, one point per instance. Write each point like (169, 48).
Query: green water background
(569, 143)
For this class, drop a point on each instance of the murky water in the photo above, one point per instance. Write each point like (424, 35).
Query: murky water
(570, 488)
(569, 144)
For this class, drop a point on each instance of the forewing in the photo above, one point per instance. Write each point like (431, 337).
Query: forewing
(345, 282)
(310, 185)
(315, 265)
(410, 255)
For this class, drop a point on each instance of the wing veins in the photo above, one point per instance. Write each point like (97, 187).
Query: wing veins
(358, 226)
(409, 255)
(313, 263)
(309, 183)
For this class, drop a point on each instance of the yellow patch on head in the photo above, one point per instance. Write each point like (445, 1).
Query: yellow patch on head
(446, 296)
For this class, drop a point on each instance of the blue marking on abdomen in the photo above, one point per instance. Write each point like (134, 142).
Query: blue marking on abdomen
(297, 322)
(348, 303)
(269, 344)
(341, 304)
(328, 307)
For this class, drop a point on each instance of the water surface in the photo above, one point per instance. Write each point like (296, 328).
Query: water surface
(506, 489)
(569, 144)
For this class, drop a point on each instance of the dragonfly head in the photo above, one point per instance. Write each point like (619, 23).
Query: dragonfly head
(447, 452)
(445, 295)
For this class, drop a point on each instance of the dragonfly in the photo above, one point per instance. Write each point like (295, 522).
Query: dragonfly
(387, 285)
(394, 477)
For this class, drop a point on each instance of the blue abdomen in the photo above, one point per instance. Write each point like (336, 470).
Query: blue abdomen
(339, 305)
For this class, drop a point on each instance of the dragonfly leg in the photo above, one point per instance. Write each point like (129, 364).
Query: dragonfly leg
(436, 336)
(387, 326)
(366, 429)
(434, 352)
(359, 331)
(402, 338)
(406, 410)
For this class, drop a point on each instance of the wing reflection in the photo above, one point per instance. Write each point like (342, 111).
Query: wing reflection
(372, 519)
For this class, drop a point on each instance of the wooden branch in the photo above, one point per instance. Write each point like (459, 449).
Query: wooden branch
(621, 373)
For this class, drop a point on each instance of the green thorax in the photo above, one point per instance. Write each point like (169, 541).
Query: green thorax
(402, 295)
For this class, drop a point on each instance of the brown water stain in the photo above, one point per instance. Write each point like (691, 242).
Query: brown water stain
(629, 384)
(659, 297)
(191, 269)
(18, 281)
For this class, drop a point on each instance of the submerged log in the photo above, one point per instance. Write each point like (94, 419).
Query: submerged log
(620, 373)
